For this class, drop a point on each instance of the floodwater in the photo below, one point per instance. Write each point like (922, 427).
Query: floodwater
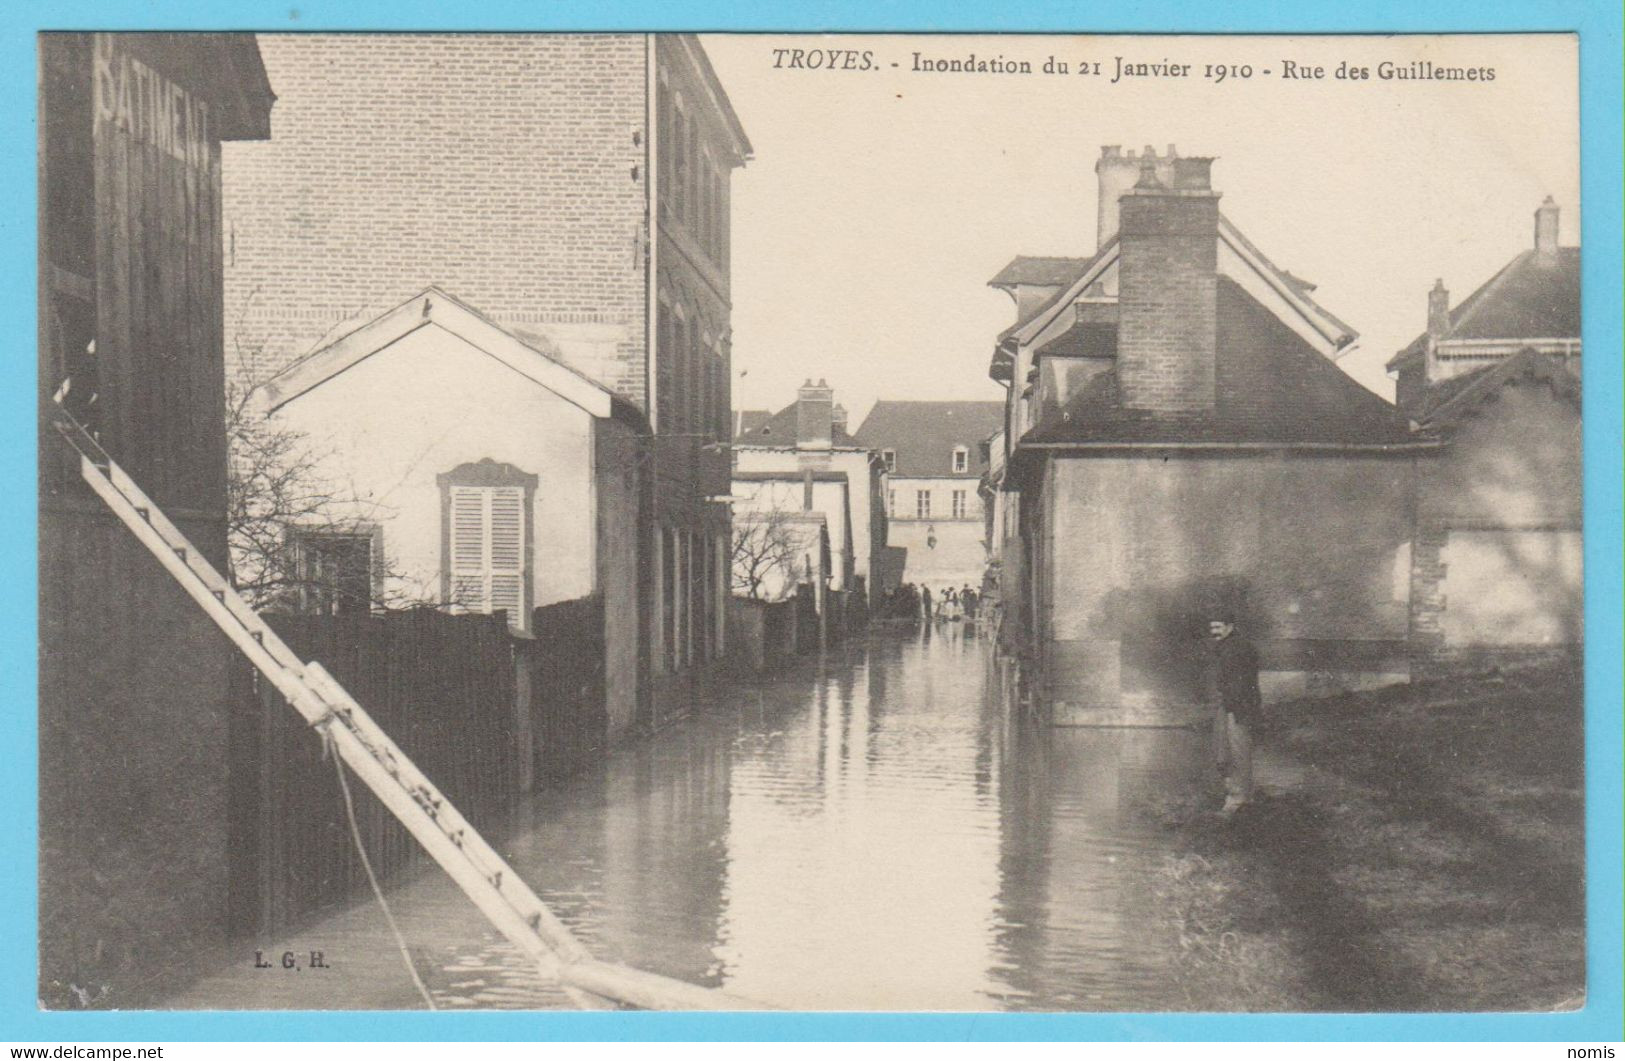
(869, 830)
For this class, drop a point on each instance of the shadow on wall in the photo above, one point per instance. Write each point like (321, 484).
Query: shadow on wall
(1162, 630)
(1499, 565)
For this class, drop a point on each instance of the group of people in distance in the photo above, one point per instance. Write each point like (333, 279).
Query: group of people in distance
(946, 604)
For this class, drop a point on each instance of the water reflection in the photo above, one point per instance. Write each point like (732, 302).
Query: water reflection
(869, 830)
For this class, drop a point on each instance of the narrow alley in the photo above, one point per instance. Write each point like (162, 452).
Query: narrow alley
(866, 831)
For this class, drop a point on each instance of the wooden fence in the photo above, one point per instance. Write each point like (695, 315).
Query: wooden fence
(561, 688)
(442, 686)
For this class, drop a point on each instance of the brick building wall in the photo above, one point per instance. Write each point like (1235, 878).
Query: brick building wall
(508, 170)
(1168, 283)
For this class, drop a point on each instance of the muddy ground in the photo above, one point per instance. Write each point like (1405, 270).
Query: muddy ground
(1425, 854)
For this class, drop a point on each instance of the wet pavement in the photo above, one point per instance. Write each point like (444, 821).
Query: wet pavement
(869, 830)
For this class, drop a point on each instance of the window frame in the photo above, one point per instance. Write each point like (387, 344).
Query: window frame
(961, 460)
(490, 475)
(298, 535)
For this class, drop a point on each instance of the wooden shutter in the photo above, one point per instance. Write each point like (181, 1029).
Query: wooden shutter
(488, 550)
(507, 555)
(468, 548)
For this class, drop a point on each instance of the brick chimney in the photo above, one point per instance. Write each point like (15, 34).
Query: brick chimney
(815, 415)
(838, 416)
(1116, 173)
(1438, 311)
(1546, 232)
(1438, 331)
(1167, 288)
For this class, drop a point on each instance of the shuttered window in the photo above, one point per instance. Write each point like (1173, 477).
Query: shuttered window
(487, 532)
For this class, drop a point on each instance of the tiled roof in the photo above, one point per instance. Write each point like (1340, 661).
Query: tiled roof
(924, 434)
(1270, 387)
(780, 430)
(1040, 272)
(749, 420)
(1528, 299)
(1083, 339)
(1448, 401)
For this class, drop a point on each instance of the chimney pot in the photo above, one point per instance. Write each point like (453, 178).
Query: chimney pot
(1148, 175)
(1438, 311)
(1193, 174)
(1117, 172)
(1546, 219)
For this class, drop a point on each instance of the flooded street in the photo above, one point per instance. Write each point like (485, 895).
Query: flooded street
(864, 831)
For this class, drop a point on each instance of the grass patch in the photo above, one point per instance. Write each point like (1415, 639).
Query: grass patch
(1451, 820)
(1236, 953)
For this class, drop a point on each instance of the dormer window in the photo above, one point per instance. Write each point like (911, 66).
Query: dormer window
(888, 457)
(961, 460)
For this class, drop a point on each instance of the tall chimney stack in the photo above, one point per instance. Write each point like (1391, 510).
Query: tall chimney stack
(1546, 232)
(1116, 173)
(815, 415)
(1168, 287)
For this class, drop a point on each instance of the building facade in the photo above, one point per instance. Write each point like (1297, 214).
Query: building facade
(479, 474)
(574, 187)
(1497, 573)
(1181, 444)
(814, 465)
(935, 454)
(135, 681)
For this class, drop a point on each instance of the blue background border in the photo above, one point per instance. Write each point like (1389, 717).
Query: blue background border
(1599, 26)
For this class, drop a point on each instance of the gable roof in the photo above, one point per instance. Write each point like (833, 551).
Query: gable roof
(1451, 401)
(924, 434)
(1025, 270)
(1526, 299)
(1311, 319)
(1271, 387)
(1092, 270)
(779, 430)
(432, 306)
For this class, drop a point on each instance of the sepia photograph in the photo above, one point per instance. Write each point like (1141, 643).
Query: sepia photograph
(739, 521)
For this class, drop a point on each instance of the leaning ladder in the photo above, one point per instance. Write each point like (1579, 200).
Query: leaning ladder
(478, 870)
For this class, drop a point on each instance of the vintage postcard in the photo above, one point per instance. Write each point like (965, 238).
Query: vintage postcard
(679, 521)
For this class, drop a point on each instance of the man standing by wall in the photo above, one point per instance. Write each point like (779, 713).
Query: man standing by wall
(1239, 705)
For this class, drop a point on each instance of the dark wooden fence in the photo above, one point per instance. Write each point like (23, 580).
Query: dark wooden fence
(561, 687)
(442, 686)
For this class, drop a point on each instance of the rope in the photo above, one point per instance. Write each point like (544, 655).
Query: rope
(366, 864)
